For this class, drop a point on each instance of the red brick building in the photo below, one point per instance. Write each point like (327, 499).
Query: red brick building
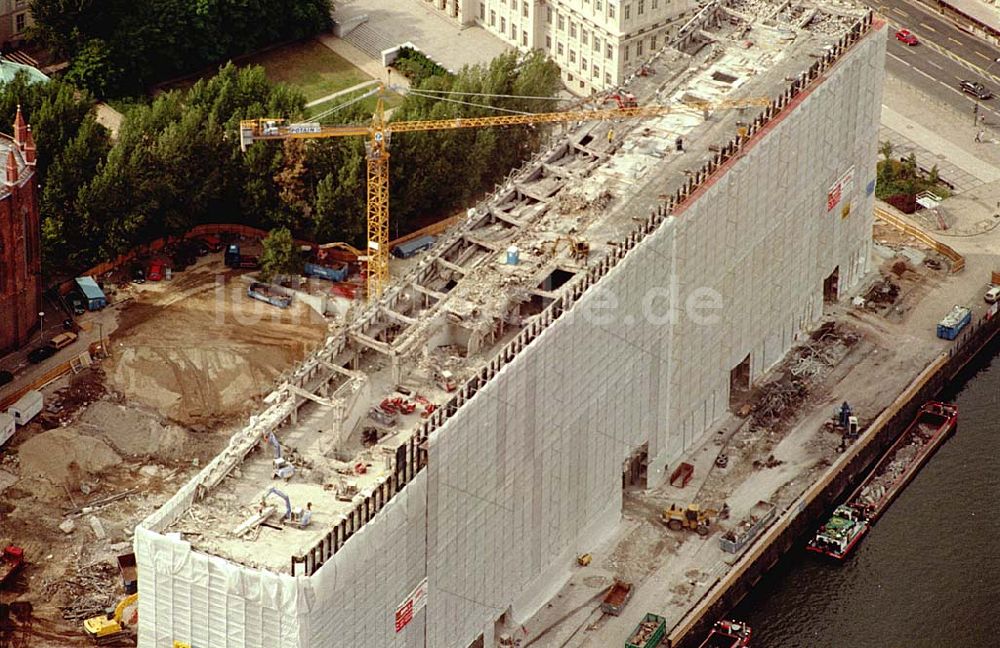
(20, 239)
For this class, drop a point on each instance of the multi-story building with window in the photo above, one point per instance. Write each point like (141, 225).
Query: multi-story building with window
(596, 43)
(15, 18)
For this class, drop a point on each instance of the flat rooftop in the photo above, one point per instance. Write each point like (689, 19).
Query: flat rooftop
(461, 303)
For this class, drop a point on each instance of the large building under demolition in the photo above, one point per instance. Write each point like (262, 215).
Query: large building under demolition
(585, 325)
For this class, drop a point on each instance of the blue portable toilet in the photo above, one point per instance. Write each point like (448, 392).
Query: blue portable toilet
(513, 255)
(93, 296)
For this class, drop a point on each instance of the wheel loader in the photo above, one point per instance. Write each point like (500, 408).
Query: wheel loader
(693, 518)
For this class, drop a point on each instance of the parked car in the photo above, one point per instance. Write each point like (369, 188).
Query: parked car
(907, 37)
(155, 271)
(6, 377)
(41, 353)
(138, 276)
(992, 295)
(976, 89)
(77, 306)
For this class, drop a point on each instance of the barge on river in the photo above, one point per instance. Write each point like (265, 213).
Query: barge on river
(850, 521)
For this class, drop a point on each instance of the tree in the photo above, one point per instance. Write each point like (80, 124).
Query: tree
(118, 47)
(95, 69)
(279, 255)
(885, 148)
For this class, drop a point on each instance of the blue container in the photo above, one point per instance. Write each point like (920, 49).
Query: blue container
(513, 255)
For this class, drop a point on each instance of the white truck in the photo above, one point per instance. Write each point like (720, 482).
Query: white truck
(6, 428)
(27, 407)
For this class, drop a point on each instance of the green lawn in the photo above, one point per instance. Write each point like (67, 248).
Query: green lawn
(309, 66)
(391, 100)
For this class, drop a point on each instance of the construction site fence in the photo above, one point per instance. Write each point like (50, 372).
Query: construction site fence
(601, 268)
(801, 515)
(956, 260)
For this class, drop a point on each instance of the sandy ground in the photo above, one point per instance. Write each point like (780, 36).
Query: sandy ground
(195, 349)
(190, 358)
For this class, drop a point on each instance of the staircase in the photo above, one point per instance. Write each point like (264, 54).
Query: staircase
(369, 40)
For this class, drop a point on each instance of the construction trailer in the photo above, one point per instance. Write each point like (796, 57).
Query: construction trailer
(26, 407)
(409, 248)
(93, 297)
(7, 427)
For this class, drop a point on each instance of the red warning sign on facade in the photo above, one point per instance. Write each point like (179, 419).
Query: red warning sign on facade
(413, 604)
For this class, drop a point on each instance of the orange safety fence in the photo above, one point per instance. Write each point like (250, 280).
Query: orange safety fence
(957, 260)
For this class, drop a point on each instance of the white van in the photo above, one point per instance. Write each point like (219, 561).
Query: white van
(992, 295)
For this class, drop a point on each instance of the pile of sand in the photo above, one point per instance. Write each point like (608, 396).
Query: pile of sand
(195, 352)
(134, 432)
(64, 455)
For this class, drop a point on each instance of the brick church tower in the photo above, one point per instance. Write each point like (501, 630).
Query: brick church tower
(20, 239)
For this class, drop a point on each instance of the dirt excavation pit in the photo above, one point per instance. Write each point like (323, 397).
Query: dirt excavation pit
(199, 351)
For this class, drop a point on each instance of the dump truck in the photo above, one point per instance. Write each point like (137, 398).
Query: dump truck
(648, 633)
(618, 595)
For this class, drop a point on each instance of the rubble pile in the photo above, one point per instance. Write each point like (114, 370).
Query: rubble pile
(903, 457)
(84, 594)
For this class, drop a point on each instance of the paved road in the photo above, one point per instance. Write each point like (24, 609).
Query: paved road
(945, 56)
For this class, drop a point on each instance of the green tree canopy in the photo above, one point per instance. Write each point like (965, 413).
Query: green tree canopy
(118, 47)
(279, 257)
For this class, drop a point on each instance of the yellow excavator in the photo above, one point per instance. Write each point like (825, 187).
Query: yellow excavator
(692, 518)
(108, 627)
(578, 250)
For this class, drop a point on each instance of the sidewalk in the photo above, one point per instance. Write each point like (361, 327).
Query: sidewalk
(938, 135)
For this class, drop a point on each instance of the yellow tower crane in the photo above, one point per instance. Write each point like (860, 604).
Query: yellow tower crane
(377, 151)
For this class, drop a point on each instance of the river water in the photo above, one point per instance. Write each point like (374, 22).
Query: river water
(928, 573)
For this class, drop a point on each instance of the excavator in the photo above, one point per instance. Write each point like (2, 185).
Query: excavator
(693, 518)
(109, 627)
(578, 250)
(294, 517)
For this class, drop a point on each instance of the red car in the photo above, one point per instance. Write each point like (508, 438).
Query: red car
(906, 36)
(155, 271)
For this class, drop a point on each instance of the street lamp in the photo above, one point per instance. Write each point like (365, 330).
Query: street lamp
(975, 109)
(41, 326)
